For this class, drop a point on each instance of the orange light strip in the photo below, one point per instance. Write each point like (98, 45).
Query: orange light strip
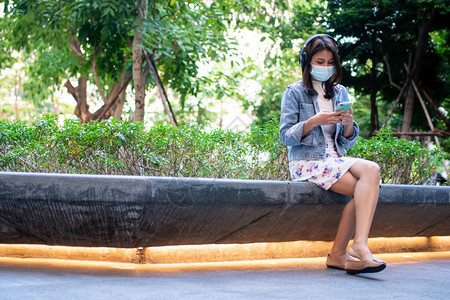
(216, 252)
(110, 268)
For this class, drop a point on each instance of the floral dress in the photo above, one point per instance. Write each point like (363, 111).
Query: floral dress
(327, 171)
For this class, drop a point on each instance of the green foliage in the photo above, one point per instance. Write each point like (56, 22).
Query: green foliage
(272, 87)
(293, 27)
(44, 34)
(60, 40)
(6, 58)
(182, 33)
(400, 161)
(372, 33)
(104, 29)
(124, 148)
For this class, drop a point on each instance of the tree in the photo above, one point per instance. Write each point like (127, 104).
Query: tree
(178, 35)
(169, 39)
(92, 36)
(138, 57)
(378, 39)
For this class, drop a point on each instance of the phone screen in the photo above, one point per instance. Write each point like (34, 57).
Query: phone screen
(344, 106)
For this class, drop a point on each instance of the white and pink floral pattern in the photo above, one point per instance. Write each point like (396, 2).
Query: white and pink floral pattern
(324, 172)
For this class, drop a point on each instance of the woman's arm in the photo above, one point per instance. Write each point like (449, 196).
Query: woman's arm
(293, 131)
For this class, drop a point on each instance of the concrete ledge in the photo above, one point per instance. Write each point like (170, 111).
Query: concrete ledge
(132, 211)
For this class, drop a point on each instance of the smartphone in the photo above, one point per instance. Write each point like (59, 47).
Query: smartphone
(344, 106)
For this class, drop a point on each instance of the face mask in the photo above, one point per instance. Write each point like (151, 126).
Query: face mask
(322, 73)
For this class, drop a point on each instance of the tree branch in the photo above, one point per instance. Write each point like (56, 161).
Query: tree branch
(434, 133)
(75, 46)
(407, 82)
(162, 91)
(102, 111)
(435, 108)
(70, 89)
(389, 74)
(94, 69)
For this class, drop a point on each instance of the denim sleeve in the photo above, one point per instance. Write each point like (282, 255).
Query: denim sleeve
(351, 140)
(291, 129)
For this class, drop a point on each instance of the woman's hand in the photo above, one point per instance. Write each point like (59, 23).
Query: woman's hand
(348, 117)
(332, 117)
(327, 117)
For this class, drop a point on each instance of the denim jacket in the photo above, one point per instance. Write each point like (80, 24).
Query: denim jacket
(297, 106)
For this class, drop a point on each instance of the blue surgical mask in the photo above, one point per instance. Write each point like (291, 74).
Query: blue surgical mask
(322, 73)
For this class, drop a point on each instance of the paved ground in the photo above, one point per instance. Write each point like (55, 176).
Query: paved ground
(408, 276)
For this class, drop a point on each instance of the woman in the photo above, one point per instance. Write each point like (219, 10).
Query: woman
(317, 137)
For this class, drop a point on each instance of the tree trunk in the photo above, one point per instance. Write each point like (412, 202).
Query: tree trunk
(79, 93)
(138, 58)
(54, 101)
(119, 108)
(424, 29)
(374, 125)
(121, 99)
(17, 92)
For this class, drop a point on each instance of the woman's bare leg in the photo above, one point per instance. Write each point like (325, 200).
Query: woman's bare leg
(365, 193)
(347, 223)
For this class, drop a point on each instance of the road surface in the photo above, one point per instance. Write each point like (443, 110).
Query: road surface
(408, 276)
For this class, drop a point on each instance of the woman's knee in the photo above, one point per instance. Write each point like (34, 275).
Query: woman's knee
(372, 169)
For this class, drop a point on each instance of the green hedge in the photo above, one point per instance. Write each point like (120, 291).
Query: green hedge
(124, 148)
(401, 161)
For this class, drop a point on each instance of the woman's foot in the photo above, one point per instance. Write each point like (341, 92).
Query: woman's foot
(337, 261)
(363, 265)
(366, 257)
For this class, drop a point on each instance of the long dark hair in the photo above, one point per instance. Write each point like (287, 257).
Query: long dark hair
(320, 43)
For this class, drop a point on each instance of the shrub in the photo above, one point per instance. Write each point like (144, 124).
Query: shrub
(401, 161)
(124, 148)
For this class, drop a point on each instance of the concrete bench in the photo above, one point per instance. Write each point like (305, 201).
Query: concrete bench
(133, 211)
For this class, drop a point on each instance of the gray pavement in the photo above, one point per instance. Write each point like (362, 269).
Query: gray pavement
(411, 277)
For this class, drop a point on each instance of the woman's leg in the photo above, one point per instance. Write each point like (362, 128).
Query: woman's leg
(346, 227)
(362, 182)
